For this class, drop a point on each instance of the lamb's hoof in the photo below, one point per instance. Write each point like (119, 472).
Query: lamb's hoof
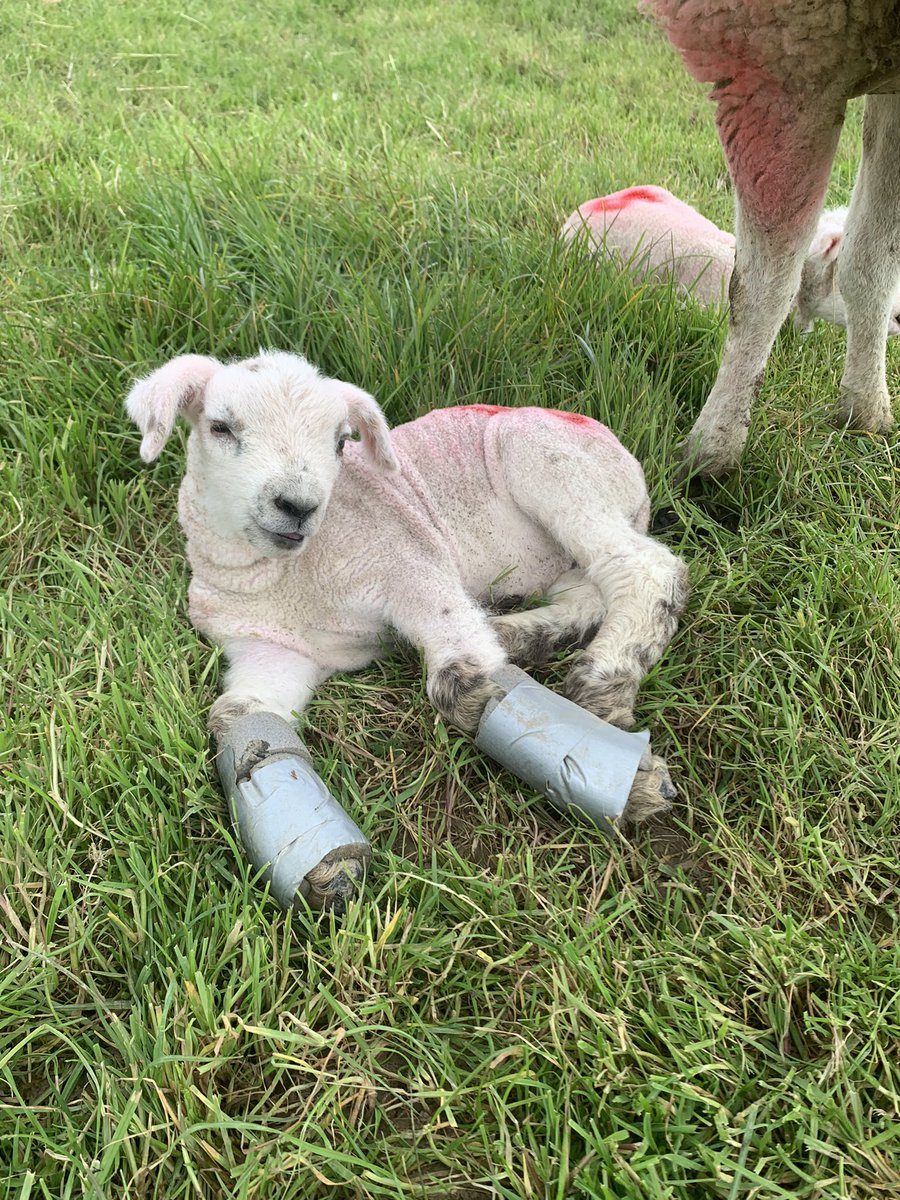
(461, 691)
(651, 793)
(526, 642)
(333, 886)
(609, 697)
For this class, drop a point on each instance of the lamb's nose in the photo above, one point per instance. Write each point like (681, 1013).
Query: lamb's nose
(292, 508)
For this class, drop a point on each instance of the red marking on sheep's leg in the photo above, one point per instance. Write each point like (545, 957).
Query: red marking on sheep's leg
(779, 156)
(778, 200)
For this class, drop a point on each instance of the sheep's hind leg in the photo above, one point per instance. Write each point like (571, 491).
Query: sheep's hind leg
(779, 161)
(869, 266)
(572, 614)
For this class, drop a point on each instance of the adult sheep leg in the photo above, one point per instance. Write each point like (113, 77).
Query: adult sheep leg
(779, 159)
(869, 267)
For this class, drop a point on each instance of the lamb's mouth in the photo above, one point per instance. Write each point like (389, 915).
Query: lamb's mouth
(285, 541)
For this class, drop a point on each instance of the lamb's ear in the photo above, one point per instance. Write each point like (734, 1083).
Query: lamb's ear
(367, 417)
(826, 244)
(175, 389)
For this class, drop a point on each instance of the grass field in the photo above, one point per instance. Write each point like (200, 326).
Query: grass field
(518, 1008)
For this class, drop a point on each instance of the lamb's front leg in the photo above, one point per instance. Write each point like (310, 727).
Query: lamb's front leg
(461, 649)
(292, 829)
(263, 677)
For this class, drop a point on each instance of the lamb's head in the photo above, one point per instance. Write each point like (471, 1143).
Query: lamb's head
(267, 436)
(819, 295)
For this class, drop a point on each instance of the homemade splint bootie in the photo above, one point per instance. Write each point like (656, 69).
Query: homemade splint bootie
(581, 764)
(292, 829)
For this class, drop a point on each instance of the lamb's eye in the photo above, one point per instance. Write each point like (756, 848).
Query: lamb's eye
(220, 429)
(342, 442)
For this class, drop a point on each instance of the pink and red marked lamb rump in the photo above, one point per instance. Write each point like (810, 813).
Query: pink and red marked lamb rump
(654, 234)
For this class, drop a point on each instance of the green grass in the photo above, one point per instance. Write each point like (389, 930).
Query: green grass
(518, 1009)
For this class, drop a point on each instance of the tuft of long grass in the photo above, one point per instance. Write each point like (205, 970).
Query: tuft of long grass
(518, 1008)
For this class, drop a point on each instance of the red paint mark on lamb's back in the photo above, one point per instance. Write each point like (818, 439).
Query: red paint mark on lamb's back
(620, 200)
(571, 418)
(579, 421)
(584, 424)
(487, 410)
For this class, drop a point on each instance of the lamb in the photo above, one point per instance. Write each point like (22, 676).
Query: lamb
(655, 234)
(309, 551)
(783, 74)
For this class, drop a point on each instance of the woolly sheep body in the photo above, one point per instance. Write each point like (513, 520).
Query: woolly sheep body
(783, 74)
(410, 533)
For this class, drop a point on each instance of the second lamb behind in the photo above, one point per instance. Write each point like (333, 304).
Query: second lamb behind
(657, 235)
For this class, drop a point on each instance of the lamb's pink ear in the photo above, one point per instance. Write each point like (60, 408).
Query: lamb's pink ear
(175, 389)
(367, 417)
(825, 244)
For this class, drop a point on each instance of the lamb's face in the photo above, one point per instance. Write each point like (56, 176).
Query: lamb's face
(819, 295)
(266, 451)
(266, 441)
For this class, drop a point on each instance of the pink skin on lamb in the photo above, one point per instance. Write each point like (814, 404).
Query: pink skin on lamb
(653, 231)
(783, 74)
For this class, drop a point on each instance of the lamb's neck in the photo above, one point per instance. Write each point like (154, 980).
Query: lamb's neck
(221, 562)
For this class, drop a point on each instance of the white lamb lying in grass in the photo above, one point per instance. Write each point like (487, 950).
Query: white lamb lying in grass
(307, 550)
(655, 233)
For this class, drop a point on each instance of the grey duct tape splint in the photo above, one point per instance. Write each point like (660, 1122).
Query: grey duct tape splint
(576, 760)
(305, 844)
(285, 817)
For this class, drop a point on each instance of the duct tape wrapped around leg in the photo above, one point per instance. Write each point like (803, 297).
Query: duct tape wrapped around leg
(577, 761)
(286, 819)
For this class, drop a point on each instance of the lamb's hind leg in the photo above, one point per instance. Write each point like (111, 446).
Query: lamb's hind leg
(644, 588)
(869, 266)
(572, 614)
